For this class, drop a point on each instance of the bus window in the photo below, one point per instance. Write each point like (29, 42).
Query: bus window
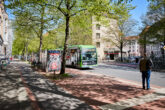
(89, 54)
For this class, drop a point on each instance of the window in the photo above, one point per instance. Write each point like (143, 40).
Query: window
(133, 42)
(97, 26)
(98, 44)
(97, 35)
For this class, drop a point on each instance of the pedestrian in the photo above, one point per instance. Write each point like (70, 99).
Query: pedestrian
(145, 68)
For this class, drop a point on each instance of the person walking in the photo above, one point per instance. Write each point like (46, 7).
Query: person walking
(145, 68)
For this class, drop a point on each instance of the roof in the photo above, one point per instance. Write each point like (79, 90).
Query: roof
(131, 38)
(145, 30)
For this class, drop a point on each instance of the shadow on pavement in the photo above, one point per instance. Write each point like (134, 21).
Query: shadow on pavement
(11, 89)
(48, 95)
(97, 91)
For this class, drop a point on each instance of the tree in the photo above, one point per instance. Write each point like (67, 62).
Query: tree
(70, 8)
(122, 28)
(81, 29)
(23, 37)
(153, 24)
(35, 15)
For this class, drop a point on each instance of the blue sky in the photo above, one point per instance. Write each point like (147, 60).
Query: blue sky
(141, 8)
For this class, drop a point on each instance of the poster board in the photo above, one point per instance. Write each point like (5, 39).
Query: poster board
(54, 60)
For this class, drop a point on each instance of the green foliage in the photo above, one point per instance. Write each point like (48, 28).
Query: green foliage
(45, 15)
(18, 46)
(33, 45)
(34, 14)
(81, 30)
(23, 38)
(154, 20)
(156, 4)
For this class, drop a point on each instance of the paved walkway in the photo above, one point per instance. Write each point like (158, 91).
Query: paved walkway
(13, 95)
(23, 89)
(48, 95)
(111, 93)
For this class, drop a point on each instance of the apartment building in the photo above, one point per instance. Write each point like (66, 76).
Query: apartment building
(132, 46)
(6, 34)
(102, 34)
(155, 48)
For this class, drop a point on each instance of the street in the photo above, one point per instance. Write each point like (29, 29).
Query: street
(82, 54)
(22, 88)
(157, 78)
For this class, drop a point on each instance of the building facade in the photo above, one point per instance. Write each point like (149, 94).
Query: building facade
(153, 46)
(102, 34)
(6, 34)
(132, 46)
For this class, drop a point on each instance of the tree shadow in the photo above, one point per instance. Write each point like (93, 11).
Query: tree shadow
(48, 95)
(97, 91)
(154, 105)
(11, 89)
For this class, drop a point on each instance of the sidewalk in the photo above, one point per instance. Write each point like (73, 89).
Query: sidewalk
(23, 89)
(47, 94)
(108, 93)
(33, 91)
(13, 94)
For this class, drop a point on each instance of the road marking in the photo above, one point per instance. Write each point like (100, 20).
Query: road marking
(135, 101)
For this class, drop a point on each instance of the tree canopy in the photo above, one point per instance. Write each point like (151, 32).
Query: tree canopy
(44, 15)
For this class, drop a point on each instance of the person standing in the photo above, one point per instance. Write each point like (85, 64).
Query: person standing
(145, 68)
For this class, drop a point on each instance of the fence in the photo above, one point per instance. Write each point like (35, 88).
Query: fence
(158, 63)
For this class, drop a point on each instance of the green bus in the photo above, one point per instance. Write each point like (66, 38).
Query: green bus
(81, 56)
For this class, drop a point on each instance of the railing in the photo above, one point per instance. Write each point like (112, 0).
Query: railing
(158, 63)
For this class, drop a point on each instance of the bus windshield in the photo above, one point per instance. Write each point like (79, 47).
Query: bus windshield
(89, 54)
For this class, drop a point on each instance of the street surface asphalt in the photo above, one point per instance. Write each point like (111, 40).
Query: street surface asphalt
(128, 73)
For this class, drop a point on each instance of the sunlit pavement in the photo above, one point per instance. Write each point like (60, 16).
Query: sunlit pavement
(112, 93)
(23, 89)
(13, 95)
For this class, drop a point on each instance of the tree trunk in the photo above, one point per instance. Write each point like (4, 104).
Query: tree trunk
(164, 46)
(41, 33)
(40, 49)
(65, 45)
(26, 48)
(121, 51)
(23, 52)
(144, 45)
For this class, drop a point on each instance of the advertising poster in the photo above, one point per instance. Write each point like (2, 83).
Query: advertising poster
(54, 60)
